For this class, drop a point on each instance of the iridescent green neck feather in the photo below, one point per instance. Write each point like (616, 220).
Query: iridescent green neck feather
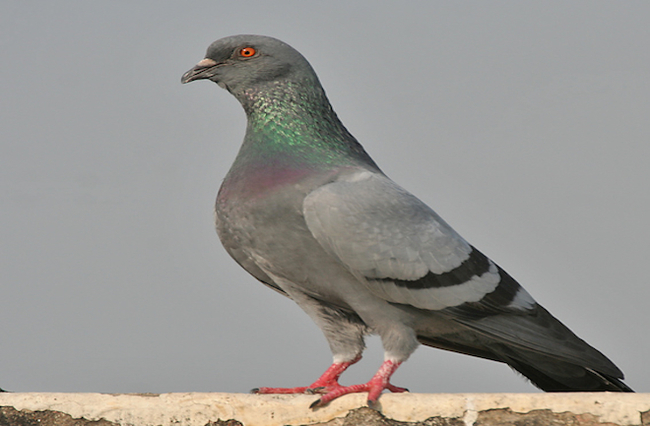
(292, 124)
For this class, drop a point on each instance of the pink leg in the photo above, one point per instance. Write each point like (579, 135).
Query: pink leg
(374, 387)
(325, 383)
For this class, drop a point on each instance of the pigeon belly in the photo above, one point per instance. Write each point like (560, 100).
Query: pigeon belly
(261, 224)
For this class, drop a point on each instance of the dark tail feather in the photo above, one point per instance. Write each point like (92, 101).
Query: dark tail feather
(547, 373)
(552, 375)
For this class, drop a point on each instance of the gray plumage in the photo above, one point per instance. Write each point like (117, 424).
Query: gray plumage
(306, 211)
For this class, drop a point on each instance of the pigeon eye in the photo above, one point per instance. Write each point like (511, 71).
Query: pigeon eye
(247, 52)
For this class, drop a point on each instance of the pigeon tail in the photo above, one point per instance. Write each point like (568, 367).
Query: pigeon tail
(551, 375)
(546, 372)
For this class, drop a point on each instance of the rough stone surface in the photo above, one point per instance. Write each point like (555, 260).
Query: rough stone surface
(221, 409)
(9, 416)
(224, 423)
(365, 416)
(505, 417)
(645, 418)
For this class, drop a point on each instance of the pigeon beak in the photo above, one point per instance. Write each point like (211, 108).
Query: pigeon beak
(204, 69)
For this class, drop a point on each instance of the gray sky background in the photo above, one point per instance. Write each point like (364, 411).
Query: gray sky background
(524, 124)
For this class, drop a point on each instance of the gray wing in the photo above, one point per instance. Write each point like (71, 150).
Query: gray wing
(402, 250)
(406, 254)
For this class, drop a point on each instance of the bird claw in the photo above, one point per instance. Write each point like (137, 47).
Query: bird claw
(374, 387)
(396, 389)
(266, 391)
(327, 385)
(374, 405)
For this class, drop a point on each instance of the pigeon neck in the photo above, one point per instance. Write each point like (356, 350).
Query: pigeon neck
(294, 120)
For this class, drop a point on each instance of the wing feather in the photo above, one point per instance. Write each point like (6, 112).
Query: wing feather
(396, 244)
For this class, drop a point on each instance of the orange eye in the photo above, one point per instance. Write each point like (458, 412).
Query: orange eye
(247, 52)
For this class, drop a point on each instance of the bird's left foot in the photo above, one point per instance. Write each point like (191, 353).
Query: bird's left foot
(374, 387)
(325, 383)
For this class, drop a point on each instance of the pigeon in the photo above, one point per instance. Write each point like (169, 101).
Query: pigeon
(306, 211)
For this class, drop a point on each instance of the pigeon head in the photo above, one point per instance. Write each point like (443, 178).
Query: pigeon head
(287, 109)
(243, 62)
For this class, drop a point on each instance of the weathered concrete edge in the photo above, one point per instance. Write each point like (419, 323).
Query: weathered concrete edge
(197, 409)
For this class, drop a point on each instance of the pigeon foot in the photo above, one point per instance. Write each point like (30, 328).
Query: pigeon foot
(326, 383)
(374, 387)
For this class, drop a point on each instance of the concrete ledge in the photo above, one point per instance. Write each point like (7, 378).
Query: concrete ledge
(224, 409)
